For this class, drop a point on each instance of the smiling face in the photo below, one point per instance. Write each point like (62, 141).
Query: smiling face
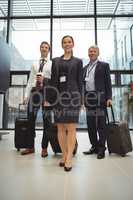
(44, 49)
(93, 53)
(67, 44)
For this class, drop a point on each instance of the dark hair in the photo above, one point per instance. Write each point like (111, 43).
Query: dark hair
(66, 37)
(44, 42)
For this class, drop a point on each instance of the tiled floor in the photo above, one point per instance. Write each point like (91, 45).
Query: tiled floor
(35, 178)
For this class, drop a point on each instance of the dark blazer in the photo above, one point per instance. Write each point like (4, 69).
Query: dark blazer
(102, 80)
(75, 76)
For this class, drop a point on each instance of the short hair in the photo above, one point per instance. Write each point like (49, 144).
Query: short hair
(94, 47)
(44, 42)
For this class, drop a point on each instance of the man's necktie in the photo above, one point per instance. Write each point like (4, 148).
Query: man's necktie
(42, 62)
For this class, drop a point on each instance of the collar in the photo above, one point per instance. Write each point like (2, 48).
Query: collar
(93, 63)
(45, 59)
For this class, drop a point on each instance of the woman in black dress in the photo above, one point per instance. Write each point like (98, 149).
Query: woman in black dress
(67, 83)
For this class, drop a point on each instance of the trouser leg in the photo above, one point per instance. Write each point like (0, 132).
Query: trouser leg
(91, 126)
(101, 129)
(33, 106)
(46, 122)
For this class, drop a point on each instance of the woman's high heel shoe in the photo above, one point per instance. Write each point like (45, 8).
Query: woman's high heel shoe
(68, 166)
(61, 164)
(67, 169)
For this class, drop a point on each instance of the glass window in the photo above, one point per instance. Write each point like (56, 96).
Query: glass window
(82, 30)
(122, 54)
(3, 29)
(16, 96)
(105, 40)
(113, 79)
(106, 6)
(3, 8)
(126, 79)
(113, 49)
(125, 7)
(73, 7)
(131, 36)
(27, 50)
(120, 102)
(123, 30)
(19, 79)
(125, 48)
(114, 7)
(31, 7)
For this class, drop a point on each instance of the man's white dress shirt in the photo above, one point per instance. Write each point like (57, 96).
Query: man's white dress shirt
(34, 70)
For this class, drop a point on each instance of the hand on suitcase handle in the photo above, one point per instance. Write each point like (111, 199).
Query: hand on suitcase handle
(109, 103)
(46, 104)
(112, 112)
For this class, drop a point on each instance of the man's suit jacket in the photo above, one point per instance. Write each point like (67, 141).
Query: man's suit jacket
(102, 81)
(75, 75)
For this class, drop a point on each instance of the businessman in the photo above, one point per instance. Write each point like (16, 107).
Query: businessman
(40, 76)
(97, 96)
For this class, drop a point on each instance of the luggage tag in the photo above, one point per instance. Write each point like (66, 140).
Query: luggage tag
(62, 79)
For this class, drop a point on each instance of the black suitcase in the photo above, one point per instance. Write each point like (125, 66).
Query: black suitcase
(22, 136)
(51, 131)
(118, 136)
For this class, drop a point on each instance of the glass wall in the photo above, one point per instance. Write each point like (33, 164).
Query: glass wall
(77, 7)
(82, 30)
(3, 29)
(30, 7)
(3, 8)
(26, 36)
(114, 40)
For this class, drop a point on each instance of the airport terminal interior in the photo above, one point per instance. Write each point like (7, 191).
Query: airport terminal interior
(24, 24)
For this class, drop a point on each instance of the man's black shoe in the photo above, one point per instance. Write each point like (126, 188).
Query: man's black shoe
(91, 151)
(100, 155)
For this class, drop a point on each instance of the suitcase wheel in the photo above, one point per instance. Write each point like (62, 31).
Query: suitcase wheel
(18, 149)
(123, 155)
(110, 152)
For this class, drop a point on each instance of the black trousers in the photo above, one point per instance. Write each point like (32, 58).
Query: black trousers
(34, 104)
(96, 122)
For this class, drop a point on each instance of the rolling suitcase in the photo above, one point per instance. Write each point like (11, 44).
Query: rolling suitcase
(51, 131)
(118, 136)
(22, 136)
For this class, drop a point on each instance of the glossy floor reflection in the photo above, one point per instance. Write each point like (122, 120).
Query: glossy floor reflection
(32, 177)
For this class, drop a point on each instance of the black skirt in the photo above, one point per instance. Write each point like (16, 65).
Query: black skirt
(66, 115)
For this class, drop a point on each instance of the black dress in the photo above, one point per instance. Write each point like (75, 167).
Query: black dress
(67, 108)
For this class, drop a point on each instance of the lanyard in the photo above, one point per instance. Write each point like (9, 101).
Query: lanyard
(90, 69)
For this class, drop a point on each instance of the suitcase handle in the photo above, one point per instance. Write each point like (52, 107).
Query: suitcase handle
(19, 109)
(112, 113)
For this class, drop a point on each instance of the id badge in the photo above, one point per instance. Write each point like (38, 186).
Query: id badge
(62, 79)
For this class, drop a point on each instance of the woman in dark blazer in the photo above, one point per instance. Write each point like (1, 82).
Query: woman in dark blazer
(66, 81)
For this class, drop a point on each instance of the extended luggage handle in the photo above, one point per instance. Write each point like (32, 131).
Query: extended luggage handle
(19, 109)
(112, 113)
